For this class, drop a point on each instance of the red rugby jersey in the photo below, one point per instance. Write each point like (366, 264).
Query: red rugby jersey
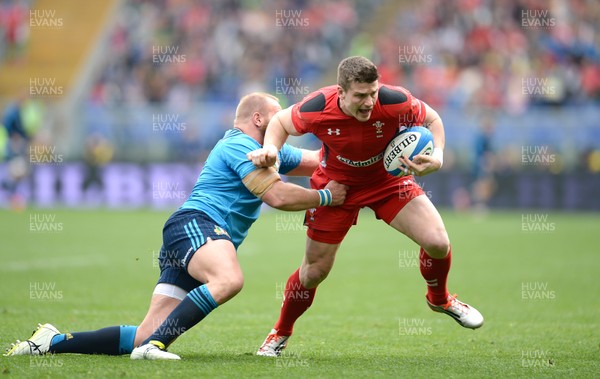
(352, 151)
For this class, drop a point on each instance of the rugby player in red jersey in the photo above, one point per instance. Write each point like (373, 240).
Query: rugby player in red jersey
(355, 120)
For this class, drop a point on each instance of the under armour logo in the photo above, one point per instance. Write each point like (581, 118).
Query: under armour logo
(331, 131)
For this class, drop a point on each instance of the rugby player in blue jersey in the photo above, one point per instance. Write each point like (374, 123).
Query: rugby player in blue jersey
(199, 269)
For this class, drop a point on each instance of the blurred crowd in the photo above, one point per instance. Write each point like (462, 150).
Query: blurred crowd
(178, 52)
(496, 54)
(14, 28)
(174, 69)
(499, 54)
(179, 59)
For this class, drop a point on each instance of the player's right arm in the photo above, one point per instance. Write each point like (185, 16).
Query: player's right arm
(279, 129)
(308, 163)
(266, 184)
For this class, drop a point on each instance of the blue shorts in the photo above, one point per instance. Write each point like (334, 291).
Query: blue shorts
(183, 234)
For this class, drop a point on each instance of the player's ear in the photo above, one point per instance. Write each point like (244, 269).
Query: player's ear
(257, 119)
(340, 92)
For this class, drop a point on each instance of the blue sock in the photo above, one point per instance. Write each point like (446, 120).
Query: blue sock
(114, 340)
(196, 305)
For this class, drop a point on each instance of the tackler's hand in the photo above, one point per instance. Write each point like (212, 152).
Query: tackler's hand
(338, 192)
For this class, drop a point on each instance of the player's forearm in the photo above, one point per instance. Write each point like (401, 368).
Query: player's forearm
(276, 133)
(308, 164)
(291, 197)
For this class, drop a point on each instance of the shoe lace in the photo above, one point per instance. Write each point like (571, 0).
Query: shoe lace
(456, 304)
(33, 347)
(272, 341)
(271, 338)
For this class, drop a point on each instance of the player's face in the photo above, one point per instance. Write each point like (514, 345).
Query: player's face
(358, 101)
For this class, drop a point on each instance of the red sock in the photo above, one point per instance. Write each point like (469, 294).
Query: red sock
(435, 273)
(296, 301)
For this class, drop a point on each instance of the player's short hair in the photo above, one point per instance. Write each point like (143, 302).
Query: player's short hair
(356, 69)
(253, 102)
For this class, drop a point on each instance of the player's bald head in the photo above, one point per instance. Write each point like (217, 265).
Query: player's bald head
(356, 69)
(260, 102)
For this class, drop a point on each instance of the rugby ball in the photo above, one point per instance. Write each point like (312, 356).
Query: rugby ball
(408, 143)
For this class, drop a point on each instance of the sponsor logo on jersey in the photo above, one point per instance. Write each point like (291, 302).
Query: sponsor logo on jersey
(220, 231)
(364, 163)
(330, 131)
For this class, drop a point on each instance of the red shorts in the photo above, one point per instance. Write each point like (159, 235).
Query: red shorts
(386, 195)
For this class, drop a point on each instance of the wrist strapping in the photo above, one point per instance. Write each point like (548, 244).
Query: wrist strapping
(325, 197)
(439, 155)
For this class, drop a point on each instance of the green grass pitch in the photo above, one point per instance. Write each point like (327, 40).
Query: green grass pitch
(533, 275)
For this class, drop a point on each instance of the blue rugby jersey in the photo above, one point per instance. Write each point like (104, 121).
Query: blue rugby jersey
(219, 191)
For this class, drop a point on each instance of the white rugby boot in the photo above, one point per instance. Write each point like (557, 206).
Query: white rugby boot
(273, 345)
(463, 313)
(37, 344)
(153, 351)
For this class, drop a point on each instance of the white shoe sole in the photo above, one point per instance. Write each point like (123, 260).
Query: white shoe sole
(152, 353)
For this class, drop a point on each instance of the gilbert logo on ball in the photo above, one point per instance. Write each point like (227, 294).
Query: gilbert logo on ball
(412, 141)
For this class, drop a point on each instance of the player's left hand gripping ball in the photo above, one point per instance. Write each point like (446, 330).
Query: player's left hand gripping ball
(421, 165)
